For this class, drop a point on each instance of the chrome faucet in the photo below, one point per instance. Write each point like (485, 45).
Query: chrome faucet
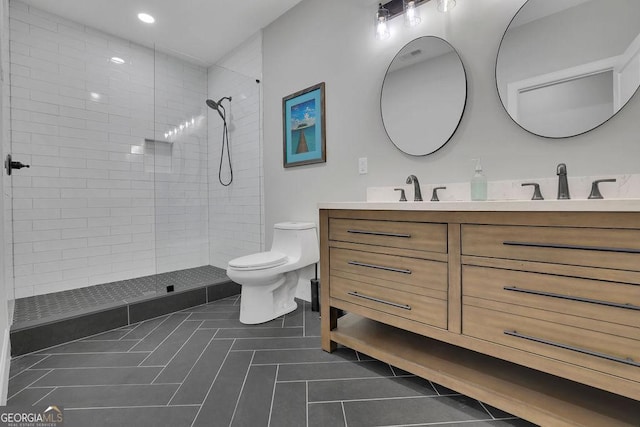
(417, 194)
(563, 185)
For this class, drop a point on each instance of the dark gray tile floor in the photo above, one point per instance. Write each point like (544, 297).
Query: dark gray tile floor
(202, 367)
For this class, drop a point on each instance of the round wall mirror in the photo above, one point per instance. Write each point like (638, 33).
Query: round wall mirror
(423, 96)
(564, 67)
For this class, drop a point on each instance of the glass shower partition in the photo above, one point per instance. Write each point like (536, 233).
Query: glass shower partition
(84, 212)
(177, 157)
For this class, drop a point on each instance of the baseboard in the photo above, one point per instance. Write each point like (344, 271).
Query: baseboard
(5, 363)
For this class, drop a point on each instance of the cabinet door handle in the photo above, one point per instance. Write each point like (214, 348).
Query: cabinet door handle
(627, 361)
(570, 298)
(579, 247)
(380, 233)
(367, 297)
(379, 267)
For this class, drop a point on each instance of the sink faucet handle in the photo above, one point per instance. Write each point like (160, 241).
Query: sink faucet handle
(403, 198)
(537, 195)
(434, 195)
(595, 190)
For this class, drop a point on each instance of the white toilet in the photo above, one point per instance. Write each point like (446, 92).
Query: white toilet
(269, 279)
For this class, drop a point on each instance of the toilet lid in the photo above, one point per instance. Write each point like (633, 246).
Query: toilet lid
(259, 260)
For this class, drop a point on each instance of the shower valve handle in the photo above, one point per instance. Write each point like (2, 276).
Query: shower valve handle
(9, 165)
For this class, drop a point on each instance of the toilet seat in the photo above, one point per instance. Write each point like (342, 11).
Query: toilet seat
(259, 261)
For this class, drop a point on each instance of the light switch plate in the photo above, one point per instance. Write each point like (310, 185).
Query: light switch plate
(362, 166)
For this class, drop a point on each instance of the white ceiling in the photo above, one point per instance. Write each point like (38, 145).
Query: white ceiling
(202, 30)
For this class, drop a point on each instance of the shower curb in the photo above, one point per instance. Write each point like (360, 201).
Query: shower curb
(31, 336)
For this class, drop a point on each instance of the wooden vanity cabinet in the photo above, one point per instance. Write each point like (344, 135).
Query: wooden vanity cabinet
(537, 313)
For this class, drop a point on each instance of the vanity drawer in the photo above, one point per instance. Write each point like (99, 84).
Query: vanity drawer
(595, 247)
(609, 302)
(409, 274)
(390, 300)
(395, 234)
(619, 356)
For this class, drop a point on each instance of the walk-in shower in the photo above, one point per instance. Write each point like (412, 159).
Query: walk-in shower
(121, 205)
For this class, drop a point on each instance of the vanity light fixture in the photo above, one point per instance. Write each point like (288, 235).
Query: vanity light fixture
(446, 5)
(381, 25)
(117, 60)
(146, 18)
(409, 8)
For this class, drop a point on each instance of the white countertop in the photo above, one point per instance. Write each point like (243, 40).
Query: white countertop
(573, 205)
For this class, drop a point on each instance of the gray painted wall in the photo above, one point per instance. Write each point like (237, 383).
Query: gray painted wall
(332, 41)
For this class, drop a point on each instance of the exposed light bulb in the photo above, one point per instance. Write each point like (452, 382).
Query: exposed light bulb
(382, 31)
(382, 28)
(446, 5)
(411, 15)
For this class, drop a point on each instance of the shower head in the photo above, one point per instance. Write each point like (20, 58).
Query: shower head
(212, 104)
(218, 106)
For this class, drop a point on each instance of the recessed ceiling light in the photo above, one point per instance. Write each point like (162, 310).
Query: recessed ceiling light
(146, 18)
(117, 60)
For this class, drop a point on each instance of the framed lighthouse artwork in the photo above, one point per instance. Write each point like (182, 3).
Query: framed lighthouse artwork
(303, 124)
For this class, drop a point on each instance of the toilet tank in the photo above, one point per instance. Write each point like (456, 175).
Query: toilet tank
(297, 240)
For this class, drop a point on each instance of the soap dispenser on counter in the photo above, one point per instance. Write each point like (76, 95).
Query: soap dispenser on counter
(478, 183)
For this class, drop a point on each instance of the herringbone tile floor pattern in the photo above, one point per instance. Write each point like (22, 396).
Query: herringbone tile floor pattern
(202, 367)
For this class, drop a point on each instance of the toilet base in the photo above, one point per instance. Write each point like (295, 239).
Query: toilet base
(262, 303)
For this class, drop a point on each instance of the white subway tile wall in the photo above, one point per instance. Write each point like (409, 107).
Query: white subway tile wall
(100, 203)
(236, 220)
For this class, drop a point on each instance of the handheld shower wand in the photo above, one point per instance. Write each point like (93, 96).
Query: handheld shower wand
(219, 107)
(225, 136)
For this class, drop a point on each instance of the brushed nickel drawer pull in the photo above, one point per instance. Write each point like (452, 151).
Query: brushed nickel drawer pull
(380, 233)
(379, 267)
(627, 361)
(563, 246)
(570, 298)
(393, 304)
